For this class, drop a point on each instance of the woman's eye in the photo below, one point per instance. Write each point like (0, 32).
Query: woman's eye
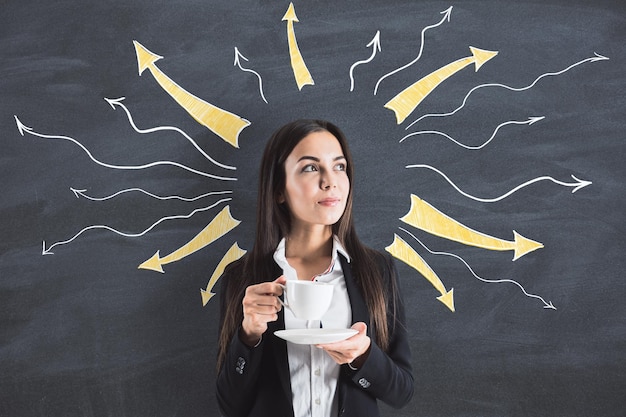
(340, 167)
(309, 168)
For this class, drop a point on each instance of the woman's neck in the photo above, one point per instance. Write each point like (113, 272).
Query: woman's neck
(309, 252)
(309, 245)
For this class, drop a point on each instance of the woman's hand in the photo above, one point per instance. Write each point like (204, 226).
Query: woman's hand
(260, 306)
(353, 350)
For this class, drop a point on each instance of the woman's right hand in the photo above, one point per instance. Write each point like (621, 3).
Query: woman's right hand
(260, 306)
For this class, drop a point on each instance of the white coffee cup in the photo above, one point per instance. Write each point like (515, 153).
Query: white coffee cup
(307, 300)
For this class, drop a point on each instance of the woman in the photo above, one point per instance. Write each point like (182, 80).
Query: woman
(305, 231)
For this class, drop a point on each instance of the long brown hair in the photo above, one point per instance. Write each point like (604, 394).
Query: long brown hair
(274, 222)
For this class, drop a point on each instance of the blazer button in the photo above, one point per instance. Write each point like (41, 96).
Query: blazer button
(364, 383)
(241, 364)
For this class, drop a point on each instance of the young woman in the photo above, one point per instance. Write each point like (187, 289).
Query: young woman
(305, 231)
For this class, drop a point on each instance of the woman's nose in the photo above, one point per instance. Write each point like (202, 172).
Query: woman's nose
(327, 182)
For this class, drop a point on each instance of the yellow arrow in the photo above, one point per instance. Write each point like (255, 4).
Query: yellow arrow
(407, 100)
(221, 122)
(301, 72)
(425, 217)
(403, 251)
(219, 226)
(233, 254)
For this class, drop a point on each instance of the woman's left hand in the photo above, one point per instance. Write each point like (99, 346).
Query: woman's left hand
(353, 350)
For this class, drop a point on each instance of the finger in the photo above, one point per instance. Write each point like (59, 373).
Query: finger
(269, 307)
(261, 299)
(270, 288)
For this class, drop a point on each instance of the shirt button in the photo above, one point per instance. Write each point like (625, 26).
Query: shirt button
(317, 372)
(318, 401)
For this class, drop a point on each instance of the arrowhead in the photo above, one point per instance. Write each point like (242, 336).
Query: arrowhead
(115, 101)
(291, 14)
(375, 42)
(550, 306)
(21, 127)
(153, 264)
(524, 245)
(206, 296)
(447, 12)
(238, 55)
(45, 251)
(78, 193)
(145, 58)
(581, 184)
(481, 56)
(532, 120)
(599, 57)
(448, 299)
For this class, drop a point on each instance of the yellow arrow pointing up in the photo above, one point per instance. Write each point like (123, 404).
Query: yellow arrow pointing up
(219, 226)
(221, 122)
(406, 101)
(425, 217)
(233, 254)
(301, 72)
(403, 251)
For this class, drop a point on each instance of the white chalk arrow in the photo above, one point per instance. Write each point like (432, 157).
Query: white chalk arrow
(48, 250)
(375, 45)
(575, 185)
(24, 129)
(546, 304)
(83, 193)
(595, 58)
(530, 121)
(446, 17)
(117, 102)
(238, 58)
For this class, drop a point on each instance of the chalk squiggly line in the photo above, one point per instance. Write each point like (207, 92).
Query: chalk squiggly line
(82, 193)
(576, 186)
(446, 16)
(48, 251)
(375, 44)
(118, 102)
(530, 121)
(22, 129)
(597, 57)
(239, 55)
(546, 305)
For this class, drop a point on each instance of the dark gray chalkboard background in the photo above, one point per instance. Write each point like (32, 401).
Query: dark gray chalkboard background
(83, 332)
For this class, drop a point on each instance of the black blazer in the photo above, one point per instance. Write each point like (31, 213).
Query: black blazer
(256, 382)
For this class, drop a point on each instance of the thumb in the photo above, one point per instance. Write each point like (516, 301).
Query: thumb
(360, 327)
(281, 280)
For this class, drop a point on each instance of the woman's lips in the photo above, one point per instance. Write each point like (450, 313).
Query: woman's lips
(329, 202)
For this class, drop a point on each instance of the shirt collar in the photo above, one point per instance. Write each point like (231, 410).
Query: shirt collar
(279, 253)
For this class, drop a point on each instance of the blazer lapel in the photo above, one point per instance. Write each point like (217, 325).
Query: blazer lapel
(357, 303)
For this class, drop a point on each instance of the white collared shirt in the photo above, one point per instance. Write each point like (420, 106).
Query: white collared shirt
(313, 373)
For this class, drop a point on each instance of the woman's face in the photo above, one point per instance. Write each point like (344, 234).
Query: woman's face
(316, 182)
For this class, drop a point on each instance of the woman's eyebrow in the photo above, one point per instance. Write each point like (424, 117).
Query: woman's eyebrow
(316, 159)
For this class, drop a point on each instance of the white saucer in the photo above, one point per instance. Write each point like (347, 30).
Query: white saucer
(315, 336)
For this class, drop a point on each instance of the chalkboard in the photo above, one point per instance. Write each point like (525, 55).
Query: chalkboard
(105, 163)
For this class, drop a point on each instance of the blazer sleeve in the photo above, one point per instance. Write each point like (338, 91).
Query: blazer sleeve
(388, 375)
(237, 379)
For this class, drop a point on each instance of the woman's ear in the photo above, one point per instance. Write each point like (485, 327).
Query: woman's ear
(280, 198)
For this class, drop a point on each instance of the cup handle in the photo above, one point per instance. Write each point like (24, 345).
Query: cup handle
(284, 303)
